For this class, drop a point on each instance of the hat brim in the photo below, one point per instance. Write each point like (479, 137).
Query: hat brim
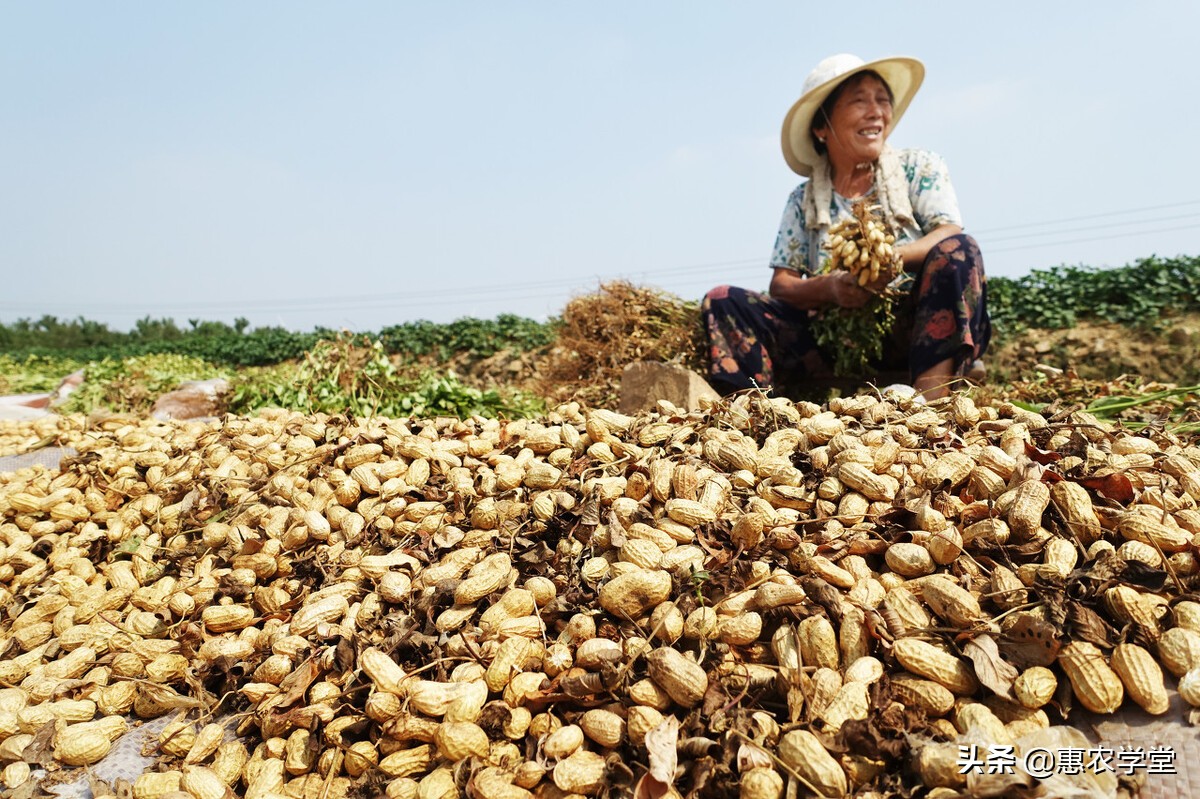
(903, 75)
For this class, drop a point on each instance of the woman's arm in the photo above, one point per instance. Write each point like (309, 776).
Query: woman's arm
(915, 252)
(808, 293)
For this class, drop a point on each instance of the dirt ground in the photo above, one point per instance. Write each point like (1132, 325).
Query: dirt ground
(1100, 351)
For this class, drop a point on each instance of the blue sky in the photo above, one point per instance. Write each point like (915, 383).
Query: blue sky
(367, 163)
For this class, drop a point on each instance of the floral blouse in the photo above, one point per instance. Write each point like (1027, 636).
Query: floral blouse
(934, 203)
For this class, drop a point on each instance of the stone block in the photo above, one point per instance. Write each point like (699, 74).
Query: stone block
(195, 399)
(643, 383)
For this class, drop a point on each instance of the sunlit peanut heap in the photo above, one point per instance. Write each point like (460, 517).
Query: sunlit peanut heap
(20, 436)
(425, 605)
(863, 245)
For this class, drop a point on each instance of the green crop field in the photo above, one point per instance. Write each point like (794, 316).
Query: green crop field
(423, 368)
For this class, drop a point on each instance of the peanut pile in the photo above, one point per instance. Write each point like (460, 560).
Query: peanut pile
(712, 603)
(17, 437)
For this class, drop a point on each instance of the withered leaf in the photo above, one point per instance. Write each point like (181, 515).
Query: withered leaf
(343, 655)
(97, 786)
(715, 698)
(831, 544)
(620, 775)
(825, 595)
(1108, 565)
(992, 670)
(719, 557)
(543, 698)
(231, 587)
(30, 789)
(538, 552)
(189, 501)
(165, 696)
(251, 546)
(196, 688)
(1028, 548)
(589, 515)
(616, 531)
(711, 779)
(1054, 599)
(306, 718)
(1077, 445)
(1030, 641)
(578, 686)
(294, 686)
(1142, 636)
(661, 745)
(863, 737)
(1040, 455)
(867, 546)
(1087, 625)
(1143, 575)
(1112, 485)
(433, 493)
(40, 751)
(881, 696)
(897, 720)
(649, 788)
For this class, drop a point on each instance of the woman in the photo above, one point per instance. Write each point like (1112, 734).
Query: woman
(836, 135)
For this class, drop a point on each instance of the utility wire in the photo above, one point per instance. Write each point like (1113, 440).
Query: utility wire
(508, 287)
(357, 306)
(503, 291)
(404, 298)
(1094, 238)
(422, 297)
(1106, 226)
(1087, 217)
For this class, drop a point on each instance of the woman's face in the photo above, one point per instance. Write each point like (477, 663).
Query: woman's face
(859, 123)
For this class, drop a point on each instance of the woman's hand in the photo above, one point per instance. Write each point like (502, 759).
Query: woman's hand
(819, 291)
(846, 291)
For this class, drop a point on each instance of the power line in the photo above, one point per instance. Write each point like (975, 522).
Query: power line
(441, 296)
(397, 297)
(383, 305)
(1094, 238)
(299, 302)
(1105, 226)
(702, 267)
(503, 291)
(1087, 217)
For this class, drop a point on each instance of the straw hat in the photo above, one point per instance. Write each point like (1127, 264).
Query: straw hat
(903, 75)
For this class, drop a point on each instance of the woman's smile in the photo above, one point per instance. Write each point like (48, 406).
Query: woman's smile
(858, 124)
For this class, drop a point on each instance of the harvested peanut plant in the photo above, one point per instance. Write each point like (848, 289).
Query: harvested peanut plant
(864, 246)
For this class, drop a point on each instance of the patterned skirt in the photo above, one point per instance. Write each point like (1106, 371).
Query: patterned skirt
(757, 340)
